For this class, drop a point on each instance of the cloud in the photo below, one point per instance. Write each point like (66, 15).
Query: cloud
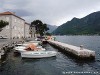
(54, 12)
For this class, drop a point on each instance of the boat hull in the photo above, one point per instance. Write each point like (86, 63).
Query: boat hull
(23, 50)
(38, 54)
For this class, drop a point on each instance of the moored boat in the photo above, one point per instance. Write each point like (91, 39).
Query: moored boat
(22, 48)
(26, 44)
(34, 41)
(38, 54)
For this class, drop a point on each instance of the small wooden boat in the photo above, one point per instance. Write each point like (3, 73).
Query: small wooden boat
(38, 54)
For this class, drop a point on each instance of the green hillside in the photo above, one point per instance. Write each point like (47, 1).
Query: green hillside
(86, 25)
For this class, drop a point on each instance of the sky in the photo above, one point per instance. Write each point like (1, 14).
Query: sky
(52, 12)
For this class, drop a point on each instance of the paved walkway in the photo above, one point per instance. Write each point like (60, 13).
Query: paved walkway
(79, 51)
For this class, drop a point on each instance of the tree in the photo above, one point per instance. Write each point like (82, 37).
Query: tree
(45, 27)
(48, 34)
(40, 27)
(3, 24)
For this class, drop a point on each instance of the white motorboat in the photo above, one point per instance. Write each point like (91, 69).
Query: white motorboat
(26, 44)
(34, 41)
(19, 47)
(22, 48)
(38, 54)
(19, 44)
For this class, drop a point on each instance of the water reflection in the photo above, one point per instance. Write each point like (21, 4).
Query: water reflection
(26, 60)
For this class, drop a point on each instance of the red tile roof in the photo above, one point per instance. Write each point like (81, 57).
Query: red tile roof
(6, 13)
(10, 13)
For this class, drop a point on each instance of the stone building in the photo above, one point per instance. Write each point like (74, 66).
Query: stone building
(27, 30)
(32, 31)
(17, 27)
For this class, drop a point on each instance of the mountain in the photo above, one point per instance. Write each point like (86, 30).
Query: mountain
(89, 24)
(51, 28)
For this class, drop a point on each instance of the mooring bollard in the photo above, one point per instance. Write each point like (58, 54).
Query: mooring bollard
(81, 47)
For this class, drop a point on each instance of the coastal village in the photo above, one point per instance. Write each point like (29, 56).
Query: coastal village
(17, 28)
(23, 41)
(50, 37)
(17, 32)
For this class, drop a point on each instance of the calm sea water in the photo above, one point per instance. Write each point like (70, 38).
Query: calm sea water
(59, 65)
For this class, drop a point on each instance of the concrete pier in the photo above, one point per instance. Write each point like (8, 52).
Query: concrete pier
(79, 52)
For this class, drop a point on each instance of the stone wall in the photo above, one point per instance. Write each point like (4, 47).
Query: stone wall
(15, 29)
